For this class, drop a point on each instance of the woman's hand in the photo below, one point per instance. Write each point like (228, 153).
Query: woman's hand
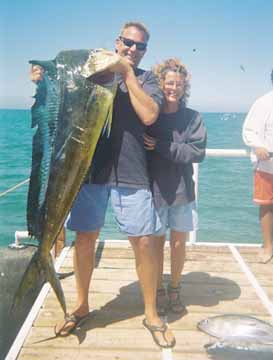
(149, 142)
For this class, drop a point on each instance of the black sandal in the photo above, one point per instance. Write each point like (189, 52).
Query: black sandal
(75, 321)
(175, 301)
(163, 328)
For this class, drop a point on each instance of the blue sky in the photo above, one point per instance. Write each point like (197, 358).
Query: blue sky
(226, 34)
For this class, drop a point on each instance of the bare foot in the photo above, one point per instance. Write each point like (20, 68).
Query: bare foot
(265, 255)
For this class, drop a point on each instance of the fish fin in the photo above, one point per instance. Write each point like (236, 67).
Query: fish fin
(38, 271)
(109, 116)
(45, 117)
(108, 122)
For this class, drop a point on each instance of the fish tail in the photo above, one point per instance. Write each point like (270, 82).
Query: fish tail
(39, 270)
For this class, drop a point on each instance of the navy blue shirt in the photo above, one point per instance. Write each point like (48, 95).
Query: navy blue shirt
(120, 160)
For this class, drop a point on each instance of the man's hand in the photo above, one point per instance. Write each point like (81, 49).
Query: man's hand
(36, 73)
(122, 66)
(149, 142)
(262, 153)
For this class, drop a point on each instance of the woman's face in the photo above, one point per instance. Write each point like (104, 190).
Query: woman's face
(173, 87)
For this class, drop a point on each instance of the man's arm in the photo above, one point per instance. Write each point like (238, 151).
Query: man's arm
(144, 105)
(252, 130)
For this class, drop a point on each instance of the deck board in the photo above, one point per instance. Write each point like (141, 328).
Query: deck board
(213, 283)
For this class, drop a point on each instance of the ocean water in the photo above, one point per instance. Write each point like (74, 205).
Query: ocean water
(226, 212)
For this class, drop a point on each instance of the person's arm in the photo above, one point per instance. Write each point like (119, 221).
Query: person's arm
(253, 129)
(193, 150)
(144, 105)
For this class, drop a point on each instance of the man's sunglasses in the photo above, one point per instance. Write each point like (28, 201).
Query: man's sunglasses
(128, 42)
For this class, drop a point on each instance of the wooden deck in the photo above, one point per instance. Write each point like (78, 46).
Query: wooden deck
(213, 283)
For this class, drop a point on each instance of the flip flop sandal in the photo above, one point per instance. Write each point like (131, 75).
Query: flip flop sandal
(162, 329)
(175, 302)
(74, 320)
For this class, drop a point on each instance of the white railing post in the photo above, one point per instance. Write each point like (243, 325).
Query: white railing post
(193, 234)
(19, 235)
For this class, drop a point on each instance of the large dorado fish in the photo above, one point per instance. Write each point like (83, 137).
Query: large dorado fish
(70, 113)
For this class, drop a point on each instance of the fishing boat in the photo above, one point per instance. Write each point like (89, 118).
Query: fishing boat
(218, 278)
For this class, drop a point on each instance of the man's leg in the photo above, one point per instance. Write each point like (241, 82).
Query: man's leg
(86, 218)
(84, 263)
(147, 269)
(136, 216)
(266, 221)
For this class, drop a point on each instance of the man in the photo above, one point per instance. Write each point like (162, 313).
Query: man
(119, 172)
(258, 134)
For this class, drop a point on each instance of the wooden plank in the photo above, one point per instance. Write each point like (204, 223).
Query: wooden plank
(119, 339)
(116, 253)
(118, 318)
(123, 249)
(224, 290)
(187, 277)
(91, 354)
(134, 303)
(209, 266)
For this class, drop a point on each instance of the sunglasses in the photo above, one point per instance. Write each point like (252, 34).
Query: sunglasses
(128, 42)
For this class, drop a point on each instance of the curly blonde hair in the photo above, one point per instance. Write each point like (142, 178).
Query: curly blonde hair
(174, 64)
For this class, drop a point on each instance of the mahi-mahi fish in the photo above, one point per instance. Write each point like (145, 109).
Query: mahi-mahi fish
(70, 113)
(239, 332)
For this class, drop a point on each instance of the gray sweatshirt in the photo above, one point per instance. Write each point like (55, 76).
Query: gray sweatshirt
(181, 140)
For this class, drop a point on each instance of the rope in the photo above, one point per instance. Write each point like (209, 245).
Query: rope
(14, 187)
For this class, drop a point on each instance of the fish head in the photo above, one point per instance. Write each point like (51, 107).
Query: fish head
(203, 324)
(99, 62)
(211, 326)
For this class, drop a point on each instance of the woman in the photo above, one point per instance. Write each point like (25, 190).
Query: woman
(174, 142)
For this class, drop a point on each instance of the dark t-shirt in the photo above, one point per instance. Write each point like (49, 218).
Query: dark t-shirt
(181, 141)
(120, 160)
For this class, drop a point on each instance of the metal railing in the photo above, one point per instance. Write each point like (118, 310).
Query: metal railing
(224, 153)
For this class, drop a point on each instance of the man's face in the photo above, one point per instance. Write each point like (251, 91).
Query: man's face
(130, 45)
